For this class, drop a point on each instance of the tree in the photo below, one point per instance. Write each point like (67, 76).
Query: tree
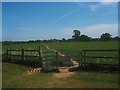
(76, 35)
(105, 37)
(63, 39)
(85, 38)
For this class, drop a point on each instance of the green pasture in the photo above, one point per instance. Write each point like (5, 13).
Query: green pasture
(72, 49)
(77, 46)
(15, 76)
(65, 47)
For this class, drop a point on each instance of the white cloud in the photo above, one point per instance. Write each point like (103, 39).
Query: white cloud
(103, 3)
(97, 30)
(94, 31)
(109, 0)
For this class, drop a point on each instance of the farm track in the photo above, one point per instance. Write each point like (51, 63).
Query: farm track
(64, 70)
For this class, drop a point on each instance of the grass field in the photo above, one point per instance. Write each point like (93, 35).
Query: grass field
(15, 76)
(72, 49)
(77, 46)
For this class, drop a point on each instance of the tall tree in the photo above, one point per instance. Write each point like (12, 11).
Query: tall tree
(105, 37)
(76, 34)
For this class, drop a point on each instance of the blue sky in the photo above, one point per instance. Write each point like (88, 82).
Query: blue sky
(49, 20)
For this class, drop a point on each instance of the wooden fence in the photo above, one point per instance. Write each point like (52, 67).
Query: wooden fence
(46, 57)
(24, 55)
(43, 57)
(99, 57)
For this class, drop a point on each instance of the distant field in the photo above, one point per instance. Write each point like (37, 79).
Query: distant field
(77, 46)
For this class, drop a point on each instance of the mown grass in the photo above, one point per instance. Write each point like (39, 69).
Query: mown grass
(78, 46)
(73, 49)
(14, 76)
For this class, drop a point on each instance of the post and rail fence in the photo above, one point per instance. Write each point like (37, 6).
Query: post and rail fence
(99, 57)
(45, 56)
(23, 55)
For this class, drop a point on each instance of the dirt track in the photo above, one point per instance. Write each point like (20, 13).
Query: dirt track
(64, 71)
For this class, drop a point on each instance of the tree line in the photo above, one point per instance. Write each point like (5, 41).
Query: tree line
(104, 37)
(76, 37)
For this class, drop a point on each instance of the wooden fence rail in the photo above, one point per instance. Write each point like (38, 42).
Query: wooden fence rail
(85, 57)
(23, 56)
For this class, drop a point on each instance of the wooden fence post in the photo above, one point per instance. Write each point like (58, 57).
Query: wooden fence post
(81, 59)
(7, 54)
(85, 58)
(22, 54)
(46, 58)
(56, 60)
(41, 57)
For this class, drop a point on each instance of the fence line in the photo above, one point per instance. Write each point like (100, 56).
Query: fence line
(84, 57)
(43, 56)
(23, 56)
(47, 56)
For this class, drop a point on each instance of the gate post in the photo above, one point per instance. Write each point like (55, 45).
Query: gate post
(56, 60)
(22, 54)
(46, 59)
(7, 54)
(81, 61)
(41, 57)
(85, 54)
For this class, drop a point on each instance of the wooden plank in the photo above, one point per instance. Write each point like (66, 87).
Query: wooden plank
(100, 50)
(15, 55)
(97, 57)
(30, 56)
(102, 63)
(31, 50)
(14, 50)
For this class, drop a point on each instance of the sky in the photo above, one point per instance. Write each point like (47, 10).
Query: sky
(0, 22)
(49, 20)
